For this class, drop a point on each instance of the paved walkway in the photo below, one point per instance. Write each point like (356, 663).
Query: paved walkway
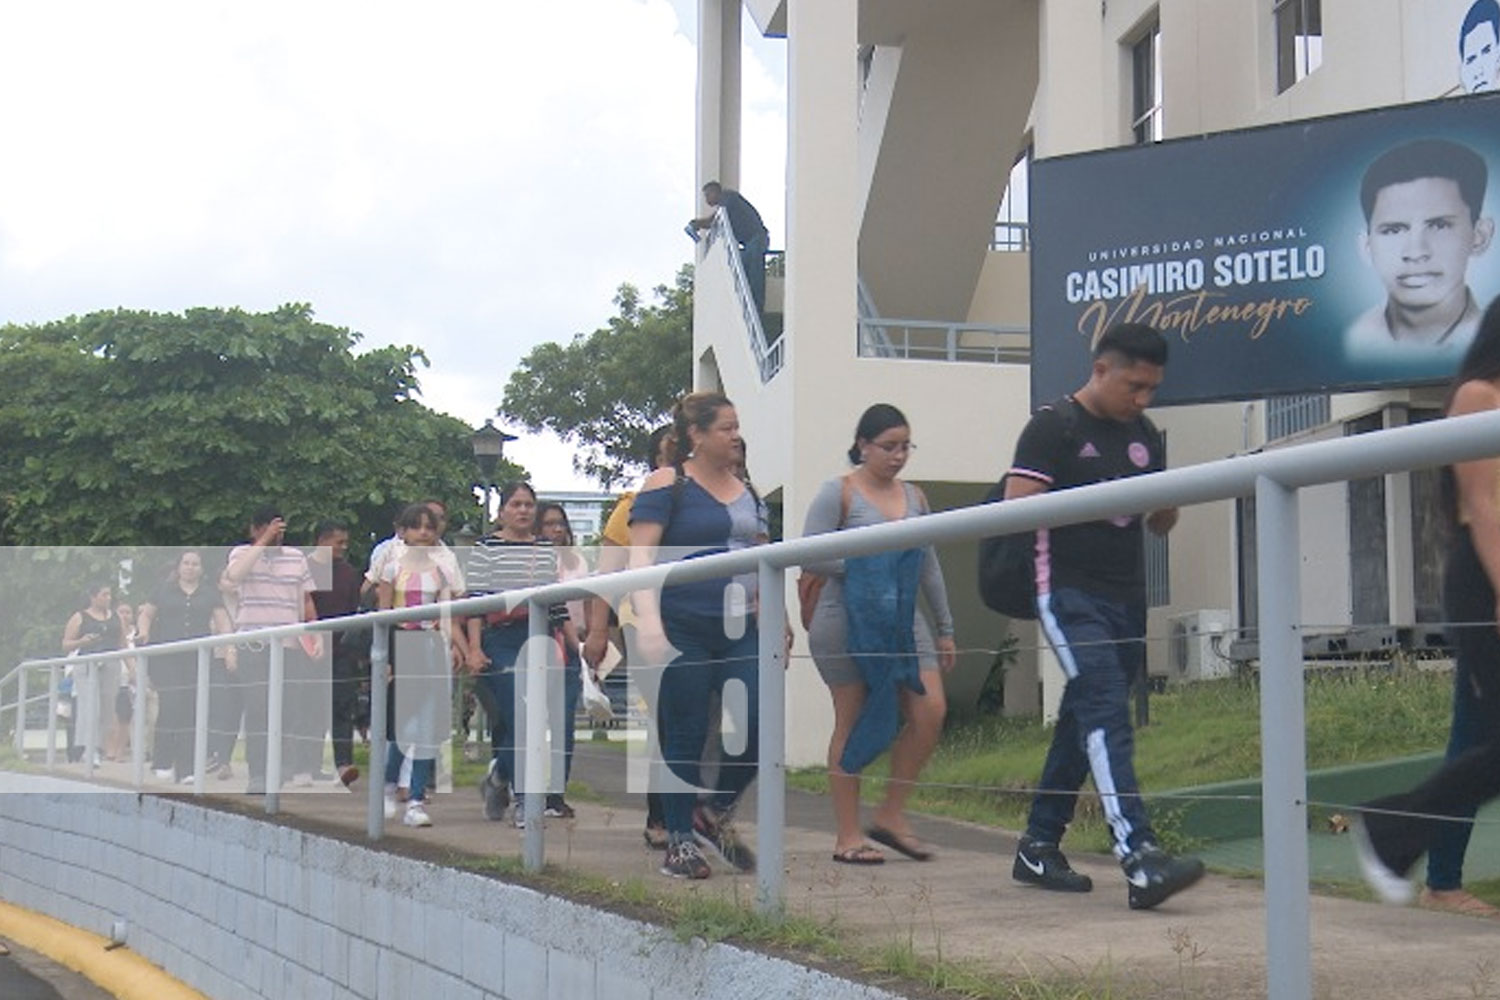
(1207, 942)
(28, 975)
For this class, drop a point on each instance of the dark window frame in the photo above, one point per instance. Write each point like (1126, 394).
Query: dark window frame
(1298, 27)
(1146, 85)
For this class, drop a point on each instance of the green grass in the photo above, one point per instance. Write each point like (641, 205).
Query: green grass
(984, 770)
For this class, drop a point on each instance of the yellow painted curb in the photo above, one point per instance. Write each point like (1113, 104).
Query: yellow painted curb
(120, 972)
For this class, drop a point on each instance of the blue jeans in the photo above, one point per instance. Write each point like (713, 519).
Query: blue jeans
(1099, 643)
(707, 660)
(421, 771)
(1467, 597)
(497, 691)
(753, 260)
(1445, 860)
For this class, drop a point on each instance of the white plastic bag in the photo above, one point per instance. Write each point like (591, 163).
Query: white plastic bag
(595, 701)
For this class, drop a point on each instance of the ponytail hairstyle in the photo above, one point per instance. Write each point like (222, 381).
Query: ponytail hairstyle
(700, 410)
(874, 422)
(695, 410)
(745, 471)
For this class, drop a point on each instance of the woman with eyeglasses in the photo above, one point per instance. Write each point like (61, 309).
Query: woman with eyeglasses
(874, 493)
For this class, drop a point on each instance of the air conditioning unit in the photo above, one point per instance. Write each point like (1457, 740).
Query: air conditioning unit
(1194, 641)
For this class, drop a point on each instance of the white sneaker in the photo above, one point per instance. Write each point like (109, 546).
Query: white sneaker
(390, 802)
(1392, 887)
(416, 815)
(165, 773)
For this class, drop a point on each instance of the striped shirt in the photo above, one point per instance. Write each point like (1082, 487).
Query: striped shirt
(273, 590)
(496, 565)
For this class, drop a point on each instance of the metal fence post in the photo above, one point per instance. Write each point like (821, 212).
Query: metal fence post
(54, 674)
(380, 658)
(89, 720)
(770, 802)
(1283, 743)
(200, 720)
(273, 726)
(138, 722)
(21, 712)
(533, 845)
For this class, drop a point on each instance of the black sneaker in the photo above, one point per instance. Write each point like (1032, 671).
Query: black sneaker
(1042, 864)
(684, 860)
(716, 835)
(1155, 876)
(496, 794)
(556, 808)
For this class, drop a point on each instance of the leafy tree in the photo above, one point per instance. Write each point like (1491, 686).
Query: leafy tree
(138, 428)
(605, 391)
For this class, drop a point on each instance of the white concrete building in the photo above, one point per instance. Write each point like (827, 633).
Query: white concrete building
(905, 121)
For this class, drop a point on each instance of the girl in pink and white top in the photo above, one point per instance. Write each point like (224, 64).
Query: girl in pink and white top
(420, 714)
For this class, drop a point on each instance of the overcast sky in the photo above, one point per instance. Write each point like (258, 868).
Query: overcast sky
(471, 177)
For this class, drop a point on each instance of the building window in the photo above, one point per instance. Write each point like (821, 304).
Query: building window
(1145, 66)
(1299, 39)
(1287, 415)
(1012, 225)
(1158, 557)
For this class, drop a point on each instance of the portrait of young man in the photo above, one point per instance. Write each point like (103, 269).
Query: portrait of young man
(1479, 47)
(1423, 204)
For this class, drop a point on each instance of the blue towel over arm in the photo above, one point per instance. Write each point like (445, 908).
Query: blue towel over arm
(880, 602)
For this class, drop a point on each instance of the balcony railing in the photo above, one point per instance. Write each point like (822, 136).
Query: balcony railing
(926, 340)
(769, 357)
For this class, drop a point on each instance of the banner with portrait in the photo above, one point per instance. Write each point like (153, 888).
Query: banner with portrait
(1329, 254)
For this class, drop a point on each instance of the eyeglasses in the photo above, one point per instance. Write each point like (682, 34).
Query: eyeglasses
(892, 447)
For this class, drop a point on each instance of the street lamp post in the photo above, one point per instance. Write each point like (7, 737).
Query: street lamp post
(489, 445)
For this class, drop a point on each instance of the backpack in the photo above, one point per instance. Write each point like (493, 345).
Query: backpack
(810, 585)
(1007, 563)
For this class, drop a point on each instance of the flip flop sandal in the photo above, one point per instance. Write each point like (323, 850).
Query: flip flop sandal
(910, 846)
(864, 854)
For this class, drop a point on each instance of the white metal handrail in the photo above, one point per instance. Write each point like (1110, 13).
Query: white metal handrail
(1273, 477)
(768, 357)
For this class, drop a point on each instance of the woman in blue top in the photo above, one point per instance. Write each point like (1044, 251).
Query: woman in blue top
(701, 506)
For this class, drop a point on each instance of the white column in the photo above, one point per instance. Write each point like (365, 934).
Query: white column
(822, 242)
(1073, 101)
(822, 159)
(718, 94)
(1400, 564)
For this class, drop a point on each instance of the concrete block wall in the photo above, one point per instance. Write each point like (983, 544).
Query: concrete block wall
(240, 908)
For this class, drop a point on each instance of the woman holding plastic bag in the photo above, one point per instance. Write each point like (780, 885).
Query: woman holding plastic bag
(703, 632)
